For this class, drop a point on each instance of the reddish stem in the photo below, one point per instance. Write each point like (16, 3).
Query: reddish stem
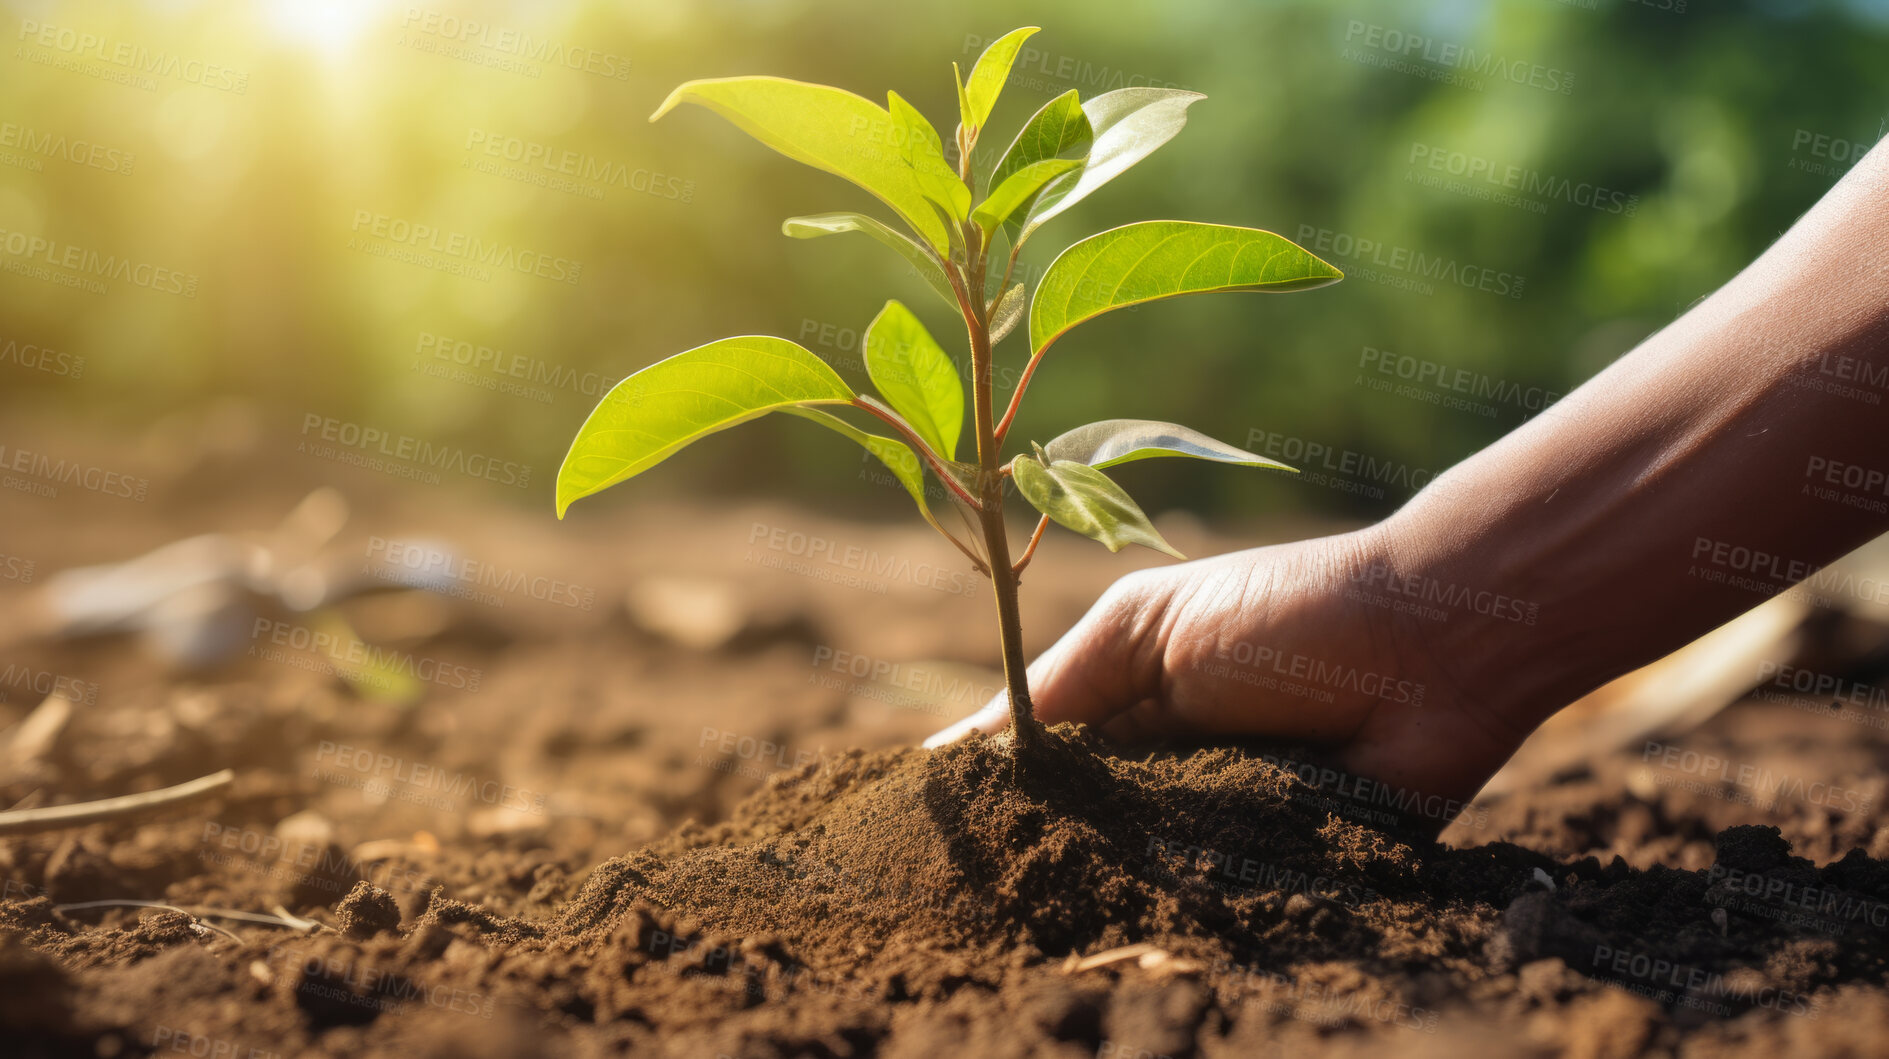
(1016, 396)
(1030, 549)
(937, 464)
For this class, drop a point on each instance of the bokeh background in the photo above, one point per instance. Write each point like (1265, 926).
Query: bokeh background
(1644, 152)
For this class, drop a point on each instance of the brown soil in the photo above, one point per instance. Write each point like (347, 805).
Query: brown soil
(642, 865)
(904, 902)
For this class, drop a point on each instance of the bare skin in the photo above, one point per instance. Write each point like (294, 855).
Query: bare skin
(1599, 536)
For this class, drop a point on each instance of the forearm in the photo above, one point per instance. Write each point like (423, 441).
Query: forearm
(1617, 516)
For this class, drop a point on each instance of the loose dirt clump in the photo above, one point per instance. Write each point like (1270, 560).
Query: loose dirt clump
(366, 911)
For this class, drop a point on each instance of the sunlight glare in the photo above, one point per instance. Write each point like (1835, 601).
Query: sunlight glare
(329, 27)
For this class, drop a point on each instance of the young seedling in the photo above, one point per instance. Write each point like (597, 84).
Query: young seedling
(963, 223)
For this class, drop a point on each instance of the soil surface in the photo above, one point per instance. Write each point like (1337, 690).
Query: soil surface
(661, 800)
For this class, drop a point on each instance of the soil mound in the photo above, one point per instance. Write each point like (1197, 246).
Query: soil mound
(1186, 903)
(910, 849)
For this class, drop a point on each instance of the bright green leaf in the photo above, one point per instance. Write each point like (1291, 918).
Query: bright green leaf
(1018, 188)
(916, 377)
(1084, 499)
(995, 251)
(921, 260)
(645, 418)
(964, 101)
(824, 127)
(1112, 441)
(897, 456)
(1059, 130)
(1006, 313)
(1159, 259)
(919, 144)
(989, 75)
(1128, 124)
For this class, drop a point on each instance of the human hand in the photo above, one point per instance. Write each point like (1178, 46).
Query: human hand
(1288, 642)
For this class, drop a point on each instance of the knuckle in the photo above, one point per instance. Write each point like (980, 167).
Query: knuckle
(1131, 591)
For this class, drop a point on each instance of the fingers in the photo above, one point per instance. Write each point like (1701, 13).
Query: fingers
(992, 718)
(1147, 721)
(1105, 664)
(1436, 759)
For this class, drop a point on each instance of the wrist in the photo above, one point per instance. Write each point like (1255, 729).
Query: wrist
(1471, 599)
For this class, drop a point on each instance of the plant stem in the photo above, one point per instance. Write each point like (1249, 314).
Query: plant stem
(1009, 267)
(1028, 731)
(1016, 396)
(1030, 550)
(938, 468)
(977, 562)
(866, 404)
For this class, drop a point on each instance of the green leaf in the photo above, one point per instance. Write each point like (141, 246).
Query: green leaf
(824, 127)
(969, 476)
(995, 250)
(819, 224)
(1084, 499)
(921, 148)
(1059, 130)
(916, 377)
(989, 75)
(964, 101)
(1018, 188)
(1112, 441)
(897, 456)
(1128, 124)
(1006, 313)
(1160, 259)
(645, 418)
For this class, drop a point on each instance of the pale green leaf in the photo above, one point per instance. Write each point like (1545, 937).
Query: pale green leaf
(1112, 441)
(1160, 259)
(921, 260)
(1018, 189)
(1006, 313)
(824, 127)
(964, 101)
(969, 476)
(916, 377)
(1084, 499)
(645, 418)
(1059, 130)
(1127, 124)
(897, 456)
(919, 144)
(990, 74)
(995, 252)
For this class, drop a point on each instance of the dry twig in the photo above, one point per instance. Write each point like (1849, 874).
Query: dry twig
(281, 919)
(28, 821)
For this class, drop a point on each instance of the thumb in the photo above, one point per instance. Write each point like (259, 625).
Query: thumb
(1107, 663)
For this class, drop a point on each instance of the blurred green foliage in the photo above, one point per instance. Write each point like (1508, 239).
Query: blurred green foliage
(1649, 152)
